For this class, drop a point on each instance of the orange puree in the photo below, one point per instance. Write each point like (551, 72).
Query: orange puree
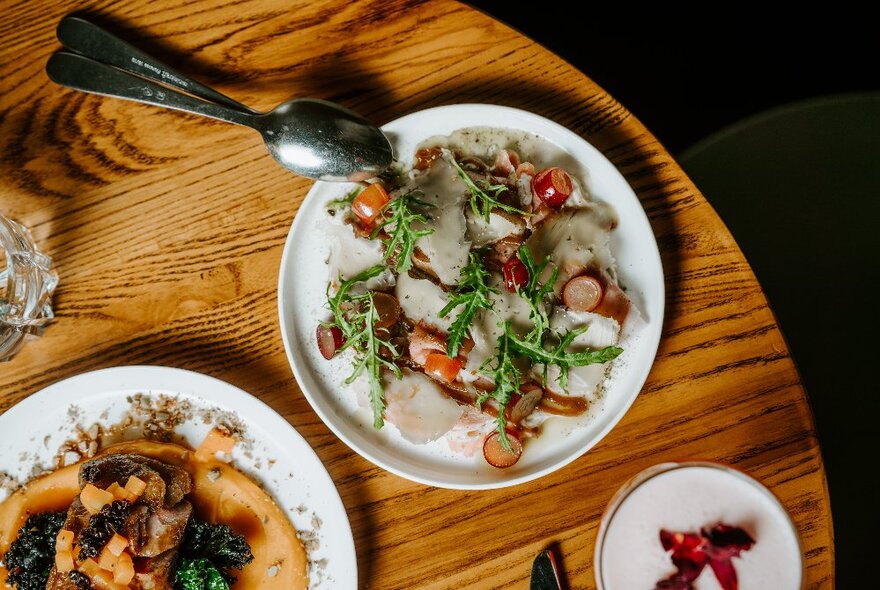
(232, 498)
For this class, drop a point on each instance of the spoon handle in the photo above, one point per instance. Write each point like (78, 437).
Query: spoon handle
(90, 40)
(88, 75)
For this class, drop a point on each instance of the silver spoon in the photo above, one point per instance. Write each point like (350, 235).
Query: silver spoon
(311, 137)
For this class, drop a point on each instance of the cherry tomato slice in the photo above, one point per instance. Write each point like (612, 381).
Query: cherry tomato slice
(369, 203)
(329, 340)
(515, 274)
(498, 456)
(553, 186)
(442, 367)
(583, 293)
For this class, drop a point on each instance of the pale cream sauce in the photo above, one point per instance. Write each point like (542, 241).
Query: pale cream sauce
(419, 408)
(482, 233)
(350, 255)
(421, 301)
(446, 247)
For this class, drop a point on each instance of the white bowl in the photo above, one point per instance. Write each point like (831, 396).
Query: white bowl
(32, 431)
(301, 304)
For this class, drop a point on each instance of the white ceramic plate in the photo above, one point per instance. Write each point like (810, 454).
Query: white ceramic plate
(32, 431)
(301, 301)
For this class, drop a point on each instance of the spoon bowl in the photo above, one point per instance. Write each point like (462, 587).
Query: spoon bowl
(323, 140)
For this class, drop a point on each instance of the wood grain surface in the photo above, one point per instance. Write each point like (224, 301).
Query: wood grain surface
(167, 231)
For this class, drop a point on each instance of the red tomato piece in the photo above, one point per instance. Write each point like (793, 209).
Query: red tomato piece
(553, 186)
(515, 274)
(369, 203)
(442, 367)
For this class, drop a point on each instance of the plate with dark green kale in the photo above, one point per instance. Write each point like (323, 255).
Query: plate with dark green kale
(481, 314)
(150, 478)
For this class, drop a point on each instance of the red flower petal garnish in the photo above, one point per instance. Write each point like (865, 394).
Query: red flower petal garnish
(727, 541)
(691, 552)
(725, 573)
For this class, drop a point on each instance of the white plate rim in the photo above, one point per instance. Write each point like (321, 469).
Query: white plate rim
(214, 392)
(653, 335)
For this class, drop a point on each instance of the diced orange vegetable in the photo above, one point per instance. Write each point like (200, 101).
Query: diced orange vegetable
(442, 367)
(104, 581)
(106, 560)
(89, 567)
(136, 486)
(216, 442)
(64, 561)
(124, 572)
(369, 203)
(94, 499)
(121, 493)
(64, 540)
(117, 544)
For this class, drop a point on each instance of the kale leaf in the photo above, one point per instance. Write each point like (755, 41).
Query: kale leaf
(218, 543)
(198, 574)
(31, 556)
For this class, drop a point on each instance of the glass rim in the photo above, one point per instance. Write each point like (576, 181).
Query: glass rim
(642, 477)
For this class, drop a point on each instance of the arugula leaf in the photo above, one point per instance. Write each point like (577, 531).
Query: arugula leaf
(481, 201)
(472, 292)
(399, 215)
(534, 293)
(506, 376)
(538, 354)
(345, 201)
(341, 300)
(356, 316)
(367, 345)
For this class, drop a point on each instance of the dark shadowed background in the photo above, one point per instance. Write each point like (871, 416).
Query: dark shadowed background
(780, 129)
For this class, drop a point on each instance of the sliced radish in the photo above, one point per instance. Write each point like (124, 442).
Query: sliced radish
(515, 274)
(329, 340)
(583, 293)
(553, 186)
(524, 403)
(497, 455)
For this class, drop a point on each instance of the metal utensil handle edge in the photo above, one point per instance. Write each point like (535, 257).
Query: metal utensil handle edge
(88, 39)
(87, 75)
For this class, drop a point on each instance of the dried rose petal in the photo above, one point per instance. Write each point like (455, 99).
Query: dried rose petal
(725, 573)
(679, 541)
(690, 565)
(691, 552)
(727, 541)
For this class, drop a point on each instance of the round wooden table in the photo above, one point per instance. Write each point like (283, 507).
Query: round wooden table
(167, 232)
